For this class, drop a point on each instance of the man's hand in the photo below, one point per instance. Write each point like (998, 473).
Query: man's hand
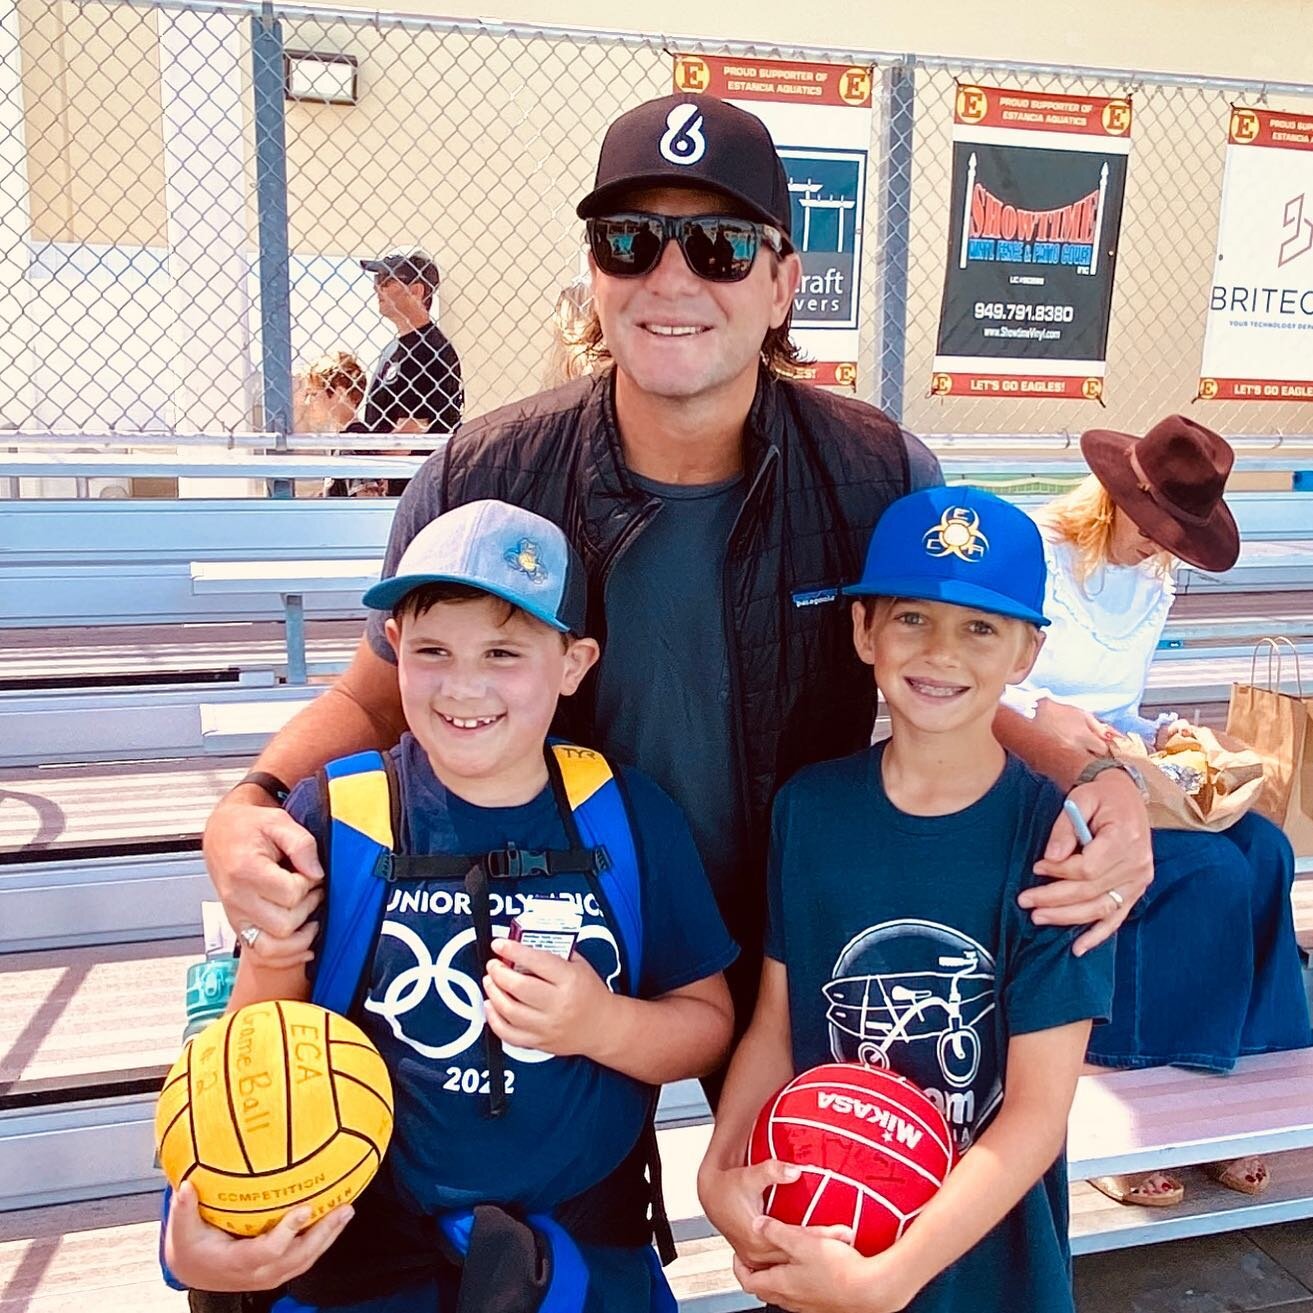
(1099, 885)
(246, 846)
(823, 1273)
(549, 1004)
(733, 1199)
(205, 1258)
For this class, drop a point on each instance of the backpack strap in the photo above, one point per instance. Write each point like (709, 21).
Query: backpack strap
(596, 815)
(594, 802)
(364, 807)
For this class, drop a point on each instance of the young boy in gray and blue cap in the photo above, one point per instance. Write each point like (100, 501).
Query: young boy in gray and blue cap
(895, 939)
(524, 1081)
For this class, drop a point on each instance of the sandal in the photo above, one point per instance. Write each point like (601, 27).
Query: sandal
(1246, 1175)
(1154, 1190)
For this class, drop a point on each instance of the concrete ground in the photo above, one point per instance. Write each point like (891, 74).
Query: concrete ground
(1270, 1268)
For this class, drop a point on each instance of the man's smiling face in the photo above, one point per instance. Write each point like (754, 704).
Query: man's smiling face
(680, 336)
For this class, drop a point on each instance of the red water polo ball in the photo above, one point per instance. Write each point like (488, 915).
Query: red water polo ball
(873, 1149)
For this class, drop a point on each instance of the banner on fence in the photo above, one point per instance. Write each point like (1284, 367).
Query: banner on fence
(1037, 187)
(1258, 344)
(819, 116)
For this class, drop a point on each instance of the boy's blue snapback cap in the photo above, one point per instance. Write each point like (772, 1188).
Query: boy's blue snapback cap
(500, 549)
(961, 545)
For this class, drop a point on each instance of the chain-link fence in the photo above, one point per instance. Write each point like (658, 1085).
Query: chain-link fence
(187, 191)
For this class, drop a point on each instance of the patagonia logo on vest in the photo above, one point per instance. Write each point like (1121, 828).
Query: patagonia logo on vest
(815, 597)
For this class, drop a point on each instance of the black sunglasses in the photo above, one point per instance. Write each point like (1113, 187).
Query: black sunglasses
(717, 247)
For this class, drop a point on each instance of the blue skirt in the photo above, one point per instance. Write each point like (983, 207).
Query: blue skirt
(1208, 969)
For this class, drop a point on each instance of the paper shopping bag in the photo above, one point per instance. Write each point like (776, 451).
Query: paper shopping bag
(1279, 727)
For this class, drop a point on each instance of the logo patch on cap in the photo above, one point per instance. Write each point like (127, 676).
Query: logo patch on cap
(524, 558)
(683, 142)
(957, 534)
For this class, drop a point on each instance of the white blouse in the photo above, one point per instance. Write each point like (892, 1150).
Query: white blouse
(1101, 639)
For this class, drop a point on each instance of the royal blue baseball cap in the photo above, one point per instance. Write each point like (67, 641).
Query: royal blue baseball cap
(500, 549)
(961, 545)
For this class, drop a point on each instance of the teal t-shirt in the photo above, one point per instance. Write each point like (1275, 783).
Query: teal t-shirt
(663, 689)
(905, 948)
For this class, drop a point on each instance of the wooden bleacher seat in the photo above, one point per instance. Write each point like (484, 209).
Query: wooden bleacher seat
(90, 1019)
(100, 1254)
(142, 724)
(75, 902)
(110, 808)
(247, 652)
(80, 563)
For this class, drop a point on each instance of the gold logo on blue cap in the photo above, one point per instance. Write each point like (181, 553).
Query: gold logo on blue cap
(957, 534)
(524, 558)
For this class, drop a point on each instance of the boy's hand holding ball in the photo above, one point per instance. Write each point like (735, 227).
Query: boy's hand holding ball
(734, 1201)
(206, 1258)
(823, 1273)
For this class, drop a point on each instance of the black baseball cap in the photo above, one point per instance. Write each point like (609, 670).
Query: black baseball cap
(413, 266)
(692, 141)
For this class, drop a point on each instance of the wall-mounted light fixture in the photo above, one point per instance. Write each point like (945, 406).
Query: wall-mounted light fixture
(325, 79)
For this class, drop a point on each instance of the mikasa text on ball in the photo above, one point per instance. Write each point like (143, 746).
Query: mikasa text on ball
(873, 1149)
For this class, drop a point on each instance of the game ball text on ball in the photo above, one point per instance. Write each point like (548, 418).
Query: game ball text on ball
(274, 1106)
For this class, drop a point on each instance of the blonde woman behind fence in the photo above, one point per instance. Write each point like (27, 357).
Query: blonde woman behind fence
(326, 396)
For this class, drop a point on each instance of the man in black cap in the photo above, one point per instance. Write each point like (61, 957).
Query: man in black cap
(416, 387)
(719, 506)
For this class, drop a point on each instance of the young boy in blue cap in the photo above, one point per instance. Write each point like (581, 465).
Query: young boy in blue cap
(895, 939)
(524, 1079)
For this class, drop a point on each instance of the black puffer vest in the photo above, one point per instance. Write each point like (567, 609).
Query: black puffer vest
(821, 469)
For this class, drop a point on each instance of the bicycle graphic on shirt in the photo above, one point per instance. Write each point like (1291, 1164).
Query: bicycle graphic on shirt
(942, 1003)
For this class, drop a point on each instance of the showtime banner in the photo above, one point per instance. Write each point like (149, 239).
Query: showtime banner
(1038, 181)
(1258, 342)
(819, 116)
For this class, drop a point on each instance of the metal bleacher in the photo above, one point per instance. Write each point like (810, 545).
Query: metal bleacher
(131, 699)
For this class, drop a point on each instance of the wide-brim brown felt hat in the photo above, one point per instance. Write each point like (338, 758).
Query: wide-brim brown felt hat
(1170, 482)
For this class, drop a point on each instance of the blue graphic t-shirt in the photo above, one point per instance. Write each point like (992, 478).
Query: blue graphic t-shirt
(905, 948)
(568, 1121)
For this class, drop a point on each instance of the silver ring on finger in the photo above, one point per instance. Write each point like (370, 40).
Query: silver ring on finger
(250, 935)
(1118, 900)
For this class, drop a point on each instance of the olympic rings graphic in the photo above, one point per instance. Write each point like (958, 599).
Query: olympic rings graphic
(458, 991)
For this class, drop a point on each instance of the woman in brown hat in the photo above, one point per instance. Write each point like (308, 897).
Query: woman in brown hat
(1207, 964)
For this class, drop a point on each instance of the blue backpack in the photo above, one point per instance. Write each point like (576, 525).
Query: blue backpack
(367, 856)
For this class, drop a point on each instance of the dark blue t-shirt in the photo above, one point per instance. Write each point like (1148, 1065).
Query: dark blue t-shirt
(905, 947)
(423, 1006)
(665, 617)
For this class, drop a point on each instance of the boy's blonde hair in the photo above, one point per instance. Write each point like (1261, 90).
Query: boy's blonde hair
(1084, 518)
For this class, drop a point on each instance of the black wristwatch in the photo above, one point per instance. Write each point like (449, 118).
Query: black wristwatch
(1101, 764)
(271, 784)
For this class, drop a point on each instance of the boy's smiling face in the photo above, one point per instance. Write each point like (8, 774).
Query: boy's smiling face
(479, 689)
(941, 667)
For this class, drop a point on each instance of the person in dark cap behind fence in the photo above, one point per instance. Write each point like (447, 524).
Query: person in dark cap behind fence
(417, 385)
(718, 504)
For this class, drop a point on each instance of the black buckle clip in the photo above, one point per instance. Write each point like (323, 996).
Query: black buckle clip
(512, 863)
(385, 868)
